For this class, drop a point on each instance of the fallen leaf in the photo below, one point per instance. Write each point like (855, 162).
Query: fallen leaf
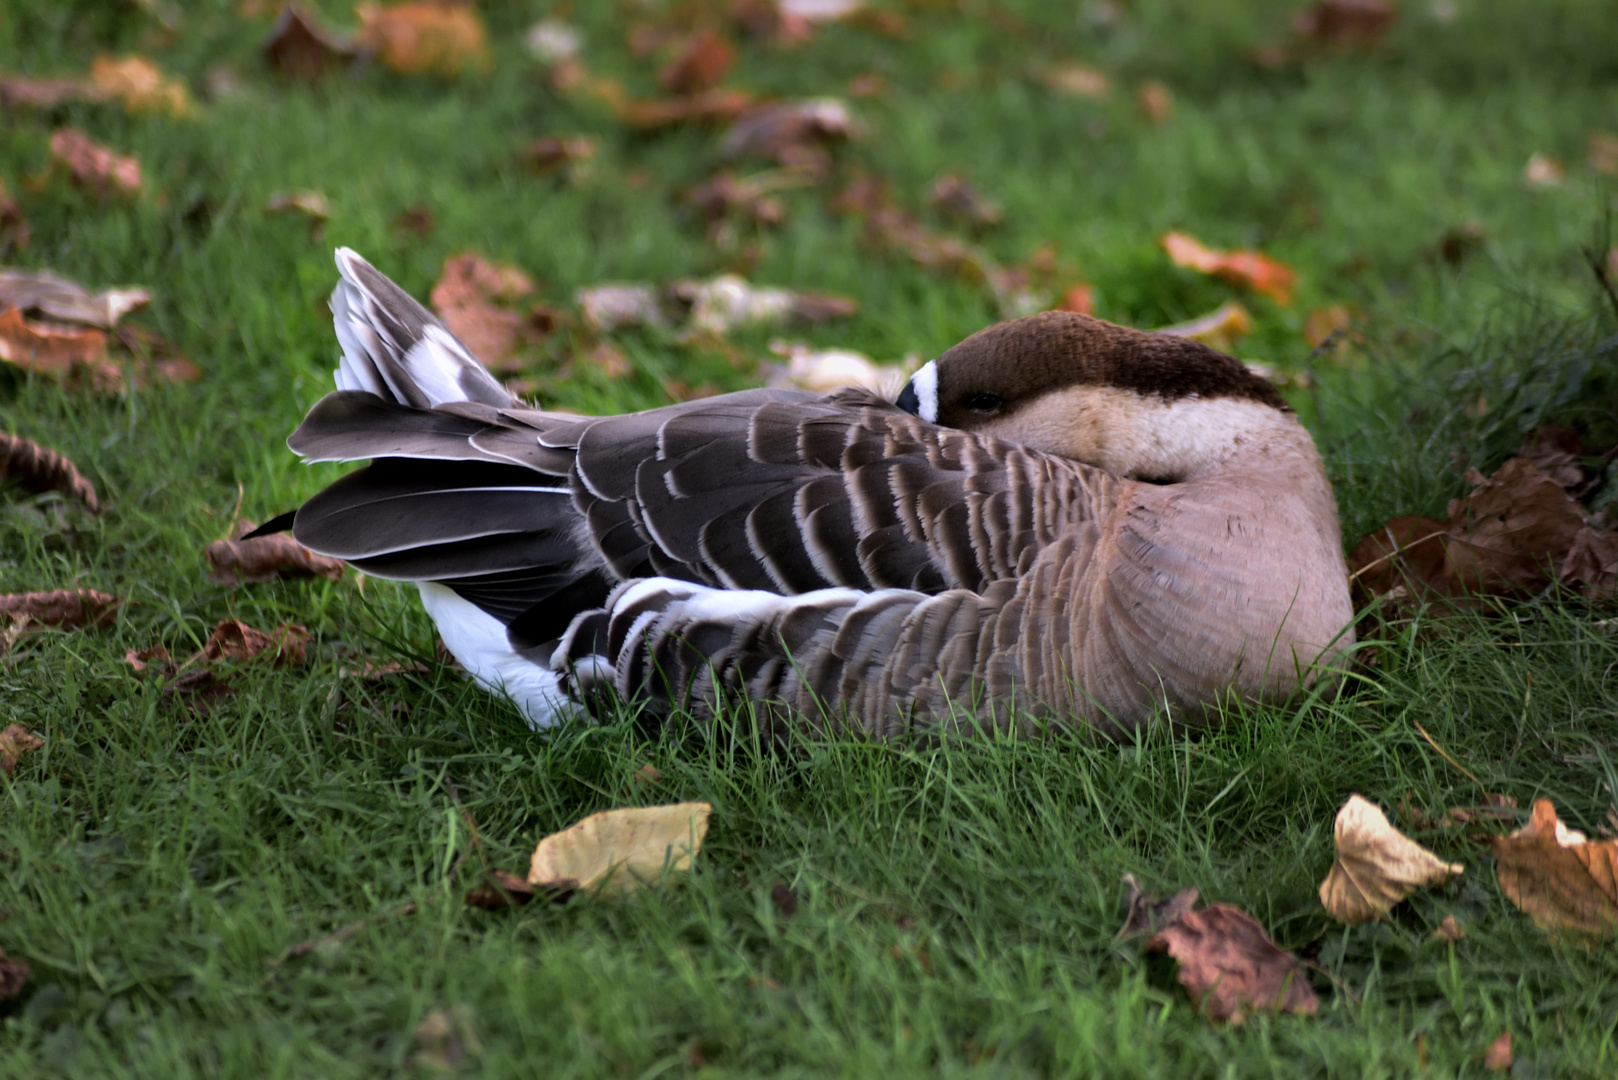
(444, 1041)
(709, 107)
(1604, 152)
(1148, 915)
(1449, 930)
(1557, 877)
(38, 469)
(825, 370)
(1230, 966)
(140, 85)
(608, 307)
(469, 296)
(725, 201)
(1244, 268)
(13, 976)
(1346, 24)
(1333, 326)
(236, 642)
(1507, 538)
(648, 775)
(298, 47)
(608, 360)
(727, 302)
(41, 292)
(141, 659)
(889, 227)
(1555, 450)
(704, 62)
(65, 609)
(505, 891)
(1221, 328)
(1460, 241)
(415, 219)
(619, 850)
(15, 741)
(1079, 80)
(1591, 564)
(1495, 807)
(424, 37)
(1543, 171)
(1497, 1058)
(772, 22)
(14, 230)
(44, 93)
(791, 132)
(57, 352)
(1155, 101)
(867, 85)
(1080, 298)
(311, 204)
(954, 197)
(235, 561)
(1377, 866)
(820, 11)
(784, 899)
(550, 153)
(552, 41)
(93, 166)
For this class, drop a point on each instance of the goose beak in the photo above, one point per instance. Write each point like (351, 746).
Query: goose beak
(920, 395)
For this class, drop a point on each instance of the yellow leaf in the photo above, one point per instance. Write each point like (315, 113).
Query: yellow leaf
(621, 849)
(1562, 880)
(424, 37)
(139, 84)
(1377, 865)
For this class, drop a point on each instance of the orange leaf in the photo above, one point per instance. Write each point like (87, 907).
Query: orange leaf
(1245, 268)
(1229, 965)
(1497, 1058)
(423, 37)
(52, 350)
(1154, 101)
(92, 165)
(1560, 879)
(140, 85)
(467, 297)
(235, 641)
(704, 62)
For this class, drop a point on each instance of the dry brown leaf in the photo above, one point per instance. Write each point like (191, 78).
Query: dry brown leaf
(310, 204)
(1450, 930)
(57, 352)
(38, 469)
(724, 303)
(140, 85)
(1148, 914)
(548, 154)
(444, 1041)
(235, 561)
(1346, 24)
(1604, 152)
(1497, 1058)
(508, 890)
(825, 370)
(423, 37)
(649, 775)
(415, 219)
(1591, 564)
(13, 976)
(1221, 328)
(55, 297)
(1230, 966)
(784, 899)
(93, 166)
(709, 107)
(16, 90)
(298, 47)
(791, 132)
(14, 230)
(141, 659)
(1155, 101)
(15, 741)
(1508, 537)
(468, 297)
(65, 609)
(1563, 881)
(1377, 866)
(1079, 80)
(1543, 171)
(704, 62)
(954, 197)
(234, 641)
(1244, 268)
(1556, 450)
(1332, 326)
(619, 850)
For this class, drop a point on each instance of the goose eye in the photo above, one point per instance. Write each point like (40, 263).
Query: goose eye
(984, 402)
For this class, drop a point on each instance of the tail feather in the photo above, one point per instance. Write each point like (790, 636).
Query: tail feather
(394, 348)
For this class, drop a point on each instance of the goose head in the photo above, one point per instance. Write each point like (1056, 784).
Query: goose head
(1138, 404)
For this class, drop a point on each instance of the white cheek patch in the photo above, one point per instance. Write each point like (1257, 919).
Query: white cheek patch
(925, 382)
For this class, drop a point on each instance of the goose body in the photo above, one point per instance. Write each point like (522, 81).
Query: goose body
(1058, 518)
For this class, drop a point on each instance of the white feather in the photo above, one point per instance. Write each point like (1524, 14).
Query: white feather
(478, 640)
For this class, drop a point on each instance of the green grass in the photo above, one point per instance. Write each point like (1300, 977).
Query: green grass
(154, 864)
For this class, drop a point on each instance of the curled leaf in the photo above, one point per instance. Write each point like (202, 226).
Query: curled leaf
(93, 166)
(40, 292)
(1221, 328)
(57, 352)
(298, 47)
(704, 62)
(1148, 914)
(619, 850)
(1377, 866)
(424, 37)
(15, 741)
(469, 297)
(265, 557)
(1244, 268)
(1560, 879)
(1229, 965)
(39, 469)
(140, 85)
(233, 640)
(1346, 24)
(825, 370)
(65, 609)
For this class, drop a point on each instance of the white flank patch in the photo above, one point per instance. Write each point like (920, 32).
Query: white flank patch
(925, 380)
(478, 640)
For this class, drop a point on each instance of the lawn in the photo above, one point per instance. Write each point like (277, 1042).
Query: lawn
(165, 869)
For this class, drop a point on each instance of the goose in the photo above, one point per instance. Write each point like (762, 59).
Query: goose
(1058, 521)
